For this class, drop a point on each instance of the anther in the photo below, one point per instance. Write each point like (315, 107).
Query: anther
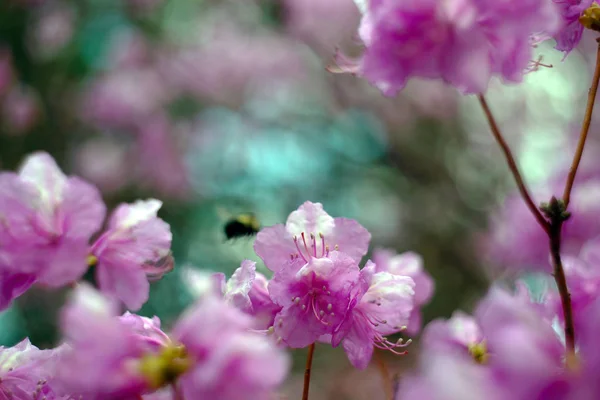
(329, 307)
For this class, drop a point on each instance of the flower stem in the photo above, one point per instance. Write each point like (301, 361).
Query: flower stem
(385, 376)
(309, 358)
(561, 283)
(557, 218)
(513, 166)
(585, 127)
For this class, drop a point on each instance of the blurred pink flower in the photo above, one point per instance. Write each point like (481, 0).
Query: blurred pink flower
(310, 20)
(450, 41)
(161, 164)
(48, 219)
(52, 29)
(25, 372)
(515, 242)
(20, 110)
(570, 34)
(124, 97)
(100, 359)
(104, 161)
(507, 351)
(219, 69)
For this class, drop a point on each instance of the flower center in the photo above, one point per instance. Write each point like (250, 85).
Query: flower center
(310, 303)
(307, 249)
(479, 352)
(165, 367)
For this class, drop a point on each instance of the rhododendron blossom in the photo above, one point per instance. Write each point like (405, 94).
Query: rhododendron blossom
(25, 372)
(508, 349)
(211, 353)
(462, 42)
(570, 34)
(382, 305)
(47, 220)
(315, 297)
(310, 233)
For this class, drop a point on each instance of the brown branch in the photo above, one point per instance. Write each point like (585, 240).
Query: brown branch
(309, 358)
(561, 283)
(585, 127)
(513, 165)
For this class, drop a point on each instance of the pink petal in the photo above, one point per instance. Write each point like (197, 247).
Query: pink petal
(351, 238)
(309, 218)
(126, 283)
(274, 245)
(13, 285)
(83, 209)
(65, 263)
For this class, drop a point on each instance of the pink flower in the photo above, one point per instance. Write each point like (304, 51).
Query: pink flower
(408, 264)
(570, 34)
(136, 239)
(462, 42)
(211, 354)
(25, 372)
(247, 290)
(508, 350)
(310, 233)
(381, 306)
(47, 221)
(100, 360)
(231, 362)
(315, 297)
(21, 110)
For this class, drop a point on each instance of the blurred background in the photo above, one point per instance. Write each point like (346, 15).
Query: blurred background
(218, 107)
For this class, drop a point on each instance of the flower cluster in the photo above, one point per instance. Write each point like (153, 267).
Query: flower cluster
(46, 222)
(509, 349)
(318, 291)
(210, 353)
(462, 42)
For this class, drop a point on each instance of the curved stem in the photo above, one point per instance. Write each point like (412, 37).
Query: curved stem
(309, 358)
(585, 127)
(513, 165)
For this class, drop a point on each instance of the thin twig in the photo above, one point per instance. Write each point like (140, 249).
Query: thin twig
(585, 127)
(513, 165)
(309, 358)
(385, 376)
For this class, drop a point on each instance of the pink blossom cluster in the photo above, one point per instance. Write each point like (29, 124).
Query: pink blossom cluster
(229, 344)
(319, 292)
(47, 221)
(462, 42)
(513, 347)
